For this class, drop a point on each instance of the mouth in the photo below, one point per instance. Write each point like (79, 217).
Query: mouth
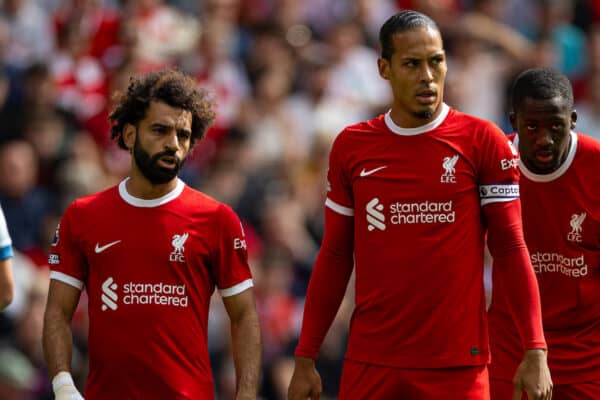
(168, 162)
(544, 156)
(427, 97)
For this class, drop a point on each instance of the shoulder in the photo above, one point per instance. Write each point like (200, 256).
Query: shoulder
(472, 123)
(93, 201)
(363, 128)
(355, 136)
(203, 203)
(588, 144)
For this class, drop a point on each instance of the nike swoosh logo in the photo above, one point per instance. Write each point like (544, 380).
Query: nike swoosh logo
(100, 249)
(364, 173)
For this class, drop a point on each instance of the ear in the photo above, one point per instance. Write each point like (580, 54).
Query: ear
(573, 119)
(513, 120)
(129, 133)
(384, 68)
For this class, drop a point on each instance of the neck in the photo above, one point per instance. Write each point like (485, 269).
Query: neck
(408, 119)
(139, 186)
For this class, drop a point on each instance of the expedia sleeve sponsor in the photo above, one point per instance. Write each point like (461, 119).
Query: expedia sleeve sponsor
(498, 192)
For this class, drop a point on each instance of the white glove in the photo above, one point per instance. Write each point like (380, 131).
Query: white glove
(64, 387)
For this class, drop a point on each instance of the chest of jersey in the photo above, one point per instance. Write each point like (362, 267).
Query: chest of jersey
(408, 182)
(144, 259)
(562, 230)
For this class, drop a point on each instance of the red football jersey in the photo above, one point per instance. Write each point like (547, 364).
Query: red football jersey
(150, 267)
(561, 222)
(416, 196)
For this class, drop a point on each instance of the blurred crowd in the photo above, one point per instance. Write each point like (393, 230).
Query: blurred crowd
(287, 76)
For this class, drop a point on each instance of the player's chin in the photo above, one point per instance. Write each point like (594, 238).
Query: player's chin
(424, 112)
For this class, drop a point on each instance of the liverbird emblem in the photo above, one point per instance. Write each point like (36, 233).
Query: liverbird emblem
(449, 165)
(178, 243)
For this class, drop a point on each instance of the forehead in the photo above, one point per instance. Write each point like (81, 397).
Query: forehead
(162, 113)
(419, 42)
(544, 108)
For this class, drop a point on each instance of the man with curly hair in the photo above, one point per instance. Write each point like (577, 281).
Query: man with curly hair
(150, 252)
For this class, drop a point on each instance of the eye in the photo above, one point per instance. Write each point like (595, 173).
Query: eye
(184, 134)
(531, 127)
(159, 129)
(557, 126)
(411, 63)
(437, 60)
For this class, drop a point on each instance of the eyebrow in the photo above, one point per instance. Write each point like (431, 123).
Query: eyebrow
(416, 57)
(170, 126)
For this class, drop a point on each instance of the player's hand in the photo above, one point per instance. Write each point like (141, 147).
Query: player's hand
(533, 376)
(64, 387)
(306, 382)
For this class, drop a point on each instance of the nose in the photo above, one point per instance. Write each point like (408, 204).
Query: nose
(172, 141)
(426, 73)
(544, 139)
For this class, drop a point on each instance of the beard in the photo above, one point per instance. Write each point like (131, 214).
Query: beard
(423, 114)
(149, 167)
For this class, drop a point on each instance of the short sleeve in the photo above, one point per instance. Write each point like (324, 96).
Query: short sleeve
(498, 167)
(230, 259)
(339, 189)
(66, 259)
(5, 241)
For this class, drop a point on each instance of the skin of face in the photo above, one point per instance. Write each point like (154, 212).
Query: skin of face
(416, 72)
(544, 127)
(160, 143)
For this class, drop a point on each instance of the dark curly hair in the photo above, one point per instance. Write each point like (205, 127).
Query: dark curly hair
(168, 86)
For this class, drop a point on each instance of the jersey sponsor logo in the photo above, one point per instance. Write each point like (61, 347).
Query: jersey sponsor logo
(449, 165)
(55, 239)
(576, 229)
(499, 191)
(574, 267)
(240, 243)
(375, 216)
(109, 295)
(53, 259)
(509, 163)
(136, 293)
(178, 244)
(99, 249)
(425, 212)
(364, 172)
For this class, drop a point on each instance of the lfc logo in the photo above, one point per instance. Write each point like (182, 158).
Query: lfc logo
(576, 228)
(449, 164)
(178, 243)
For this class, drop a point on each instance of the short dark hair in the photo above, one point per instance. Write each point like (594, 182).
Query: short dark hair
(403, 21)
(168, 86)
(541, 84)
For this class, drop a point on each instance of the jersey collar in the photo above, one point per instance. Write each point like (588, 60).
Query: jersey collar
(556, 174)
(136, 202)
(398, 130)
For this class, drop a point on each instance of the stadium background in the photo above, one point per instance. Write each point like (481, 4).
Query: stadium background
(287, 75)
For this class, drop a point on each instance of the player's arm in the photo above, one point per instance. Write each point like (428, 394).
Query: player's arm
(513, 266)
(57, 337)
(245, 336)
(326, 290)
(7, 283)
